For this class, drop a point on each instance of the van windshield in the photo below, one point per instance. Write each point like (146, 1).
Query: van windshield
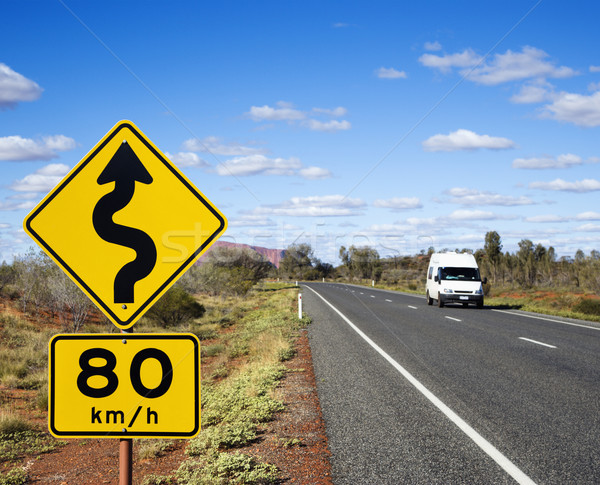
(461, 274)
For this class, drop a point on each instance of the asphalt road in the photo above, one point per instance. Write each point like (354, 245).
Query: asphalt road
(414, 394)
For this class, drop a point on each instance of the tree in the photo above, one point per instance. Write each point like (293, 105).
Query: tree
(527, 268)
(228, 270)
(8, 275)
(66, 298)
(493, 250)
(298, 261)
(174, 308)
(361, 262)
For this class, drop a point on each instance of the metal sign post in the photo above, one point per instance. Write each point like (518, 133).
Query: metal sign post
(126, 452)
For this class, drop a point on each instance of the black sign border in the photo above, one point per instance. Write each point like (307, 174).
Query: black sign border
(103, 306)
(122, 434)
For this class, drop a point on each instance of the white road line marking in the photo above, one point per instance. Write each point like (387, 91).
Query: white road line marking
(372, 296)
(546, 319)
(452, 318)
(507, 465)
(413, 307)
(388, 300)
(536, 342)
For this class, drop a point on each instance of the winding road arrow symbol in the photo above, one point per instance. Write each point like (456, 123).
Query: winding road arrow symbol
(124, 169)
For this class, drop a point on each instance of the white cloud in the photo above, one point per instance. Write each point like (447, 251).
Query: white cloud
(329, 126)
(335, 112)
(186, 159)
(15, 206)
(513, 66)
(594, 68)
(588, 216)
(249, 220)
(465, 140)
(561, 161)
(215, 145)
(473, 197)
(432, 46)
(399, 203)
(284, 112)
(579, 186)
(314, 206)
(445, 63)
(530, 63)
(588, 228)
(259, 165)
(532, 93)
(4, 225)
(579, 109)
(390, 73)
(42, 180)
(476, 215)
(546, 218)
(314, 173)
(15, 87)
(16, 148)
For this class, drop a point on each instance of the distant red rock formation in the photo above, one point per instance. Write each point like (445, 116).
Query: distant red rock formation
(272, 255)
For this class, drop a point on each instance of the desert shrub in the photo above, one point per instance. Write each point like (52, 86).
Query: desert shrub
(153, 479)
(224, 436)
(587, 306)
(152, 448)
(211, 350)
(174, 308)
(16, 476)
(17, 444)
(225, 468)
(11, 423)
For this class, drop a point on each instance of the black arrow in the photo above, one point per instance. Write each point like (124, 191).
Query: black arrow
(124, 169)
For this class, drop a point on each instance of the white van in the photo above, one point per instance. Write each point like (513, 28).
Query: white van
(454, 278)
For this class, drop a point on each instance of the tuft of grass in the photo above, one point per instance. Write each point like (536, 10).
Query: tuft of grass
(225, 468)
(212, 350)
(153, 479)
(225, 436)
(18, 444)
(588, 306)
(16, 476)
(205, 332)
(11, 423)
(153, 448)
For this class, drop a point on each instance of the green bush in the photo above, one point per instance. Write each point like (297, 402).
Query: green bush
(587, 306)
(12, 423)
(174, 308)
(153, 479)
(224, 468)
(16, 476)
(18, 444)
(223, 436)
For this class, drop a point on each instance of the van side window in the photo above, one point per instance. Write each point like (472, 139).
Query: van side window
(430, 273)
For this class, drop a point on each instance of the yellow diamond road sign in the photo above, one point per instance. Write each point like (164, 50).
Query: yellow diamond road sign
(125, 224)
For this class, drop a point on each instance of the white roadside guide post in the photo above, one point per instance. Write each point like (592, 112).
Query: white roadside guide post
(299, 306)
(74, 225)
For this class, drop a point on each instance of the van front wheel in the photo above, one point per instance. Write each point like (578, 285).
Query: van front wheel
(429, 299)
(440, 301)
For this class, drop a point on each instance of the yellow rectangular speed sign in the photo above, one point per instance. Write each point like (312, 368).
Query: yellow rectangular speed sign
(124, 385)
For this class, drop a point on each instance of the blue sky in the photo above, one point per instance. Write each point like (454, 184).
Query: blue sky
(391, 124)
